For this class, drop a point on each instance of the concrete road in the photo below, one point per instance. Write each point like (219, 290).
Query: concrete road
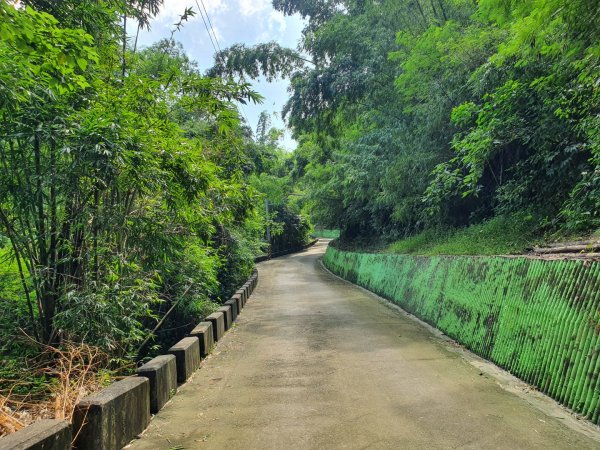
(316, 363)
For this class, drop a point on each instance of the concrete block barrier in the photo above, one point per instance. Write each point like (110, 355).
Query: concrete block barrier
(238, 299)
(218, 324)
(234, 308)
(242, 294)
(187, 357)
(162, 375)
(226, 310)
(41, 435)
(111, 418)
(204, 332)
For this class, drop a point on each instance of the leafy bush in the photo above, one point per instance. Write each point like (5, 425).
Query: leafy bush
(497, 236)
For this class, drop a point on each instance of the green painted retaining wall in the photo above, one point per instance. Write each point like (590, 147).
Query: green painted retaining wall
(540, 320)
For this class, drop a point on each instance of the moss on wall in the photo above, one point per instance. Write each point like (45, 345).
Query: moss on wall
(540, 320)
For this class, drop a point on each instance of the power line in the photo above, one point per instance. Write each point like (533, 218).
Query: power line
(216, 41)
(206, 26)
(210, 23)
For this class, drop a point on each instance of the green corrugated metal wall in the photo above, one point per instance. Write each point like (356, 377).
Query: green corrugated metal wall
(540, 320)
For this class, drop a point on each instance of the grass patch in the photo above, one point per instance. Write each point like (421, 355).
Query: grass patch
(497, 236)
(326, 234)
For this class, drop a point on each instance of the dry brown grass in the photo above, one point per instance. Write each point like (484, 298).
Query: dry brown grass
(74, 370)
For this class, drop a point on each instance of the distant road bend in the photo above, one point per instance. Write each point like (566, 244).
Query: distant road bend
(316, 363)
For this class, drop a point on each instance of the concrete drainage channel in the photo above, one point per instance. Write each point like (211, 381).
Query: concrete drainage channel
(112, 417)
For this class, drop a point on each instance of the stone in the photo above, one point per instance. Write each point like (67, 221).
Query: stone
(204, 332)
(162, 374)
(187, 357)
(41, 435)
(111, 418)
(226, 310)
(234, 308)
(238, 300)
(242, 293)
(218, 323)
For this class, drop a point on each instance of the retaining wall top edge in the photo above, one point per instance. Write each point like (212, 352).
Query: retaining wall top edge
(574, 258)
(112, 391)
(155, 362)
(184, 343)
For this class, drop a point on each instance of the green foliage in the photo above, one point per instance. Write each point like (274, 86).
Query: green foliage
(124, 191)
(498, 236)
(442, 114)
(275, 182)
(269, 59)
(326, 234)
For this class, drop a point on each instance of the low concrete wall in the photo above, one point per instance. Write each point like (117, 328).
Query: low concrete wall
(187, 357)
(218, 324)
(111, 418)
(242, 293)
(162, 375)
(41, 435)
(204, 332)
(254, 277)
(234, 308)
(227, 316)
(238, 299)
(538, 319)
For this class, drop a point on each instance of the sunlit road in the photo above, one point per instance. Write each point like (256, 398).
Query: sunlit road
(317, 363)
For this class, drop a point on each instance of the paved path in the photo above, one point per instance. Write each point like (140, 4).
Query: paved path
(317, 363)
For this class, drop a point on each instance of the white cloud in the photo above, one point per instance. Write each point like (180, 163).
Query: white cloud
(273, 26)
(218, 33)
(172, 10)
(253, 7)
(277, 19)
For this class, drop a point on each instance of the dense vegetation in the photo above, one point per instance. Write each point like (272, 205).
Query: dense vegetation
(437, 115)
(131, 193)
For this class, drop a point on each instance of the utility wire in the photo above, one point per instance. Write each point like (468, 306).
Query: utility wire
(210, 24)
(215, 41)
(206, 26)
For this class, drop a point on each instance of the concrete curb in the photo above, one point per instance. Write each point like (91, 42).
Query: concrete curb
(234, 308)
(162, 375)
(238, 300)
(227, 315)
(203, 331)
(111, 418)
(187, 357)
(42, 435)
(218, 323)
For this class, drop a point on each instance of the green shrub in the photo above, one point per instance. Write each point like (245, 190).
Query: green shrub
(497, 236)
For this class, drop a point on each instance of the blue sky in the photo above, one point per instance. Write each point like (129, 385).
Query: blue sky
(247, 21)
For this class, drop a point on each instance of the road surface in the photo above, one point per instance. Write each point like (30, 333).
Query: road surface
(317, 363)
